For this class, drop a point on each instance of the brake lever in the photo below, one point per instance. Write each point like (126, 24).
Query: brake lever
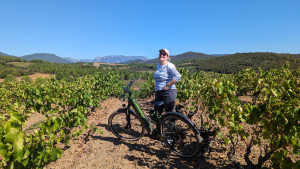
(130, 83)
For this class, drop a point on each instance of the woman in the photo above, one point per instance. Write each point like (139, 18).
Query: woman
(165, 78)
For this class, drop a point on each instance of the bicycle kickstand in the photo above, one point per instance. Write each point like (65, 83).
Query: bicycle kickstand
(169, 154)
(168, 157)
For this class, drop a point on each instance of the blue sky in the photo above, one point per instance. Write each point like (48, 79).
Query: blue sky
(85, 29)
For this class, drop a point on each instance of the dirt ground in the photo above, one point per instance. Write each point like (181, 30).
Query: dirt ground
(33, 76)
(100, 63)
(107, 151)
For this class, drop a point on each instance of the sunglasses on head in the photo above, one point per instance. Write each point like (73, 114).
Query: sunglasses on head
(164, 54)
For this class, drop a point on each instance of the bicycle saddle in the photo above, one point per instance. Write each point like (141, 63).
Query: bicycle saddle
(157, 103)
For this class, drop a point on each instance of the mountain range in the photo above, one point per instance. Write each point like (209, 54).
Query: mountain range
(109, 59)
(187, 55)
(54, 58)
(114, 58)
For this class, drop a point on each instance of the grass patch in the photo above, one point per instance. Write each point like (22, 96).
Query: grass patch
(21, 64)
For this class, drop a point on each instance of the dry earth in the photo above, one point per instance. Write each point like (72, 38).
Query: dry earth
(21, 64)
(100, 63)
(33, 76)
(107, 151)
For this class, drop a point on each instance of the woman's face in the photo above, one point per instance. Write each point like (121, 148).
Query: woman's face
(163, 56)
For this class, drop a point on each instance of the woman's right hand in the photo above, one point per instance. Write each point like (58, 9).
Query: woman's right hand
(166, 87)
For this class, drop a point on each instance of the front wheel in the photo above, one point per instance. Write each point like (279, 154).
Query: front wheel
(126, 126)
(180, 134)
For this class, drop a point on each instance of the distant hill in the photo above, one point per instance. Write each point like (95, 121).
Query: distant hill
(134, 61)
(78, 60)
(236, 62)
(4, 54)
(110, 59)
(217, 55)
(183, 56)
(72, 59)
(46, 56)
(118, 58)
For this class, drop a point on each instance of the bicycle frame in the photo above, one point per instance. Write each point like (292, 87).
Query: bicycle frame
(141, 116)
(136, 107)
(172, 134)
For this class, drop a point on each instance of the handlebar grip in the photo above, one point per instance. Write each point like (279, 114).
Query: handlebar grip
(131, 82)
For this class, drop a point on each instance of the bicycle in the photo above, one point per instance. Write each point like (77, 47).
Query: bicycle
(177, 131)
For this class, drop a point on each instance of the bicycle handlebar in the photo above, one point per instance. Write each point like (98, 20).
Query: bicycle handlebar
(126, 90)
(130, 83)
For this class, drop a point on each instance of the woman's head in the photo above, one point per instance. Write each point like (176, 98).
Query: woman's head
(164, 56)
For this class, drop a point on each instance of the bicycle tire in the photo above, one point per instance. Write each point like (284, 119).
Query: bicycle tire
(186, 140)
(117, 123)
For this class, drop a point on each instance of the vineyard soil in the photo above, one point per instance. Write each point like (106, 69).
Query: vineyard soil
(107, 151)
(33, 76)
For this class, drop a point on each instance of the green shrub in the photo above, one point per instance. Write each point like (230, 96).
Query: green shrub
(10, 78)
(26, 79)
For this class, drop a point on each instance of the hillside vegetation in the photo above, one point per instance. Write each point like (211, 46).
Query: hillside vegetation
(13, 66)
(239, 61)
(46, 57)
(42, 56)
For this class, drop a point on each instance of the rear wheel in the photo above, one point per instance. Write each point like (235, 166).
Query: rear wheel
(122, 128)
(180, 134)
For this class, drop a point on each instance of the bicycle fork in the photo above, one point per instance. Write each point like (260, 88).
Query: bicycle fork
(128, 124)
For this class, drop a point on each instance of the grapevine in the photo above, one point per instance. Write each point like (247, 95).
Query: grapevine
(274, 112)
(65, 105)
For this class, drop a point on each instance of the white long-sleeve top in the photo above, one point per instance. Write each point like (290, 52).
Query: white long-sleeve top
(164, 74)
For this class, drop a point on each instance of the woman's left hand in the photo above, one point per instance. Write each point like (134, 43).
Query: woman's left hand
(166, 87)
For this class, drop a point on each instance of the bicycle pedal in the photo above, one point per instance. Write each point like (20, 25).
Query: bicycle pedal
(153, 134)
